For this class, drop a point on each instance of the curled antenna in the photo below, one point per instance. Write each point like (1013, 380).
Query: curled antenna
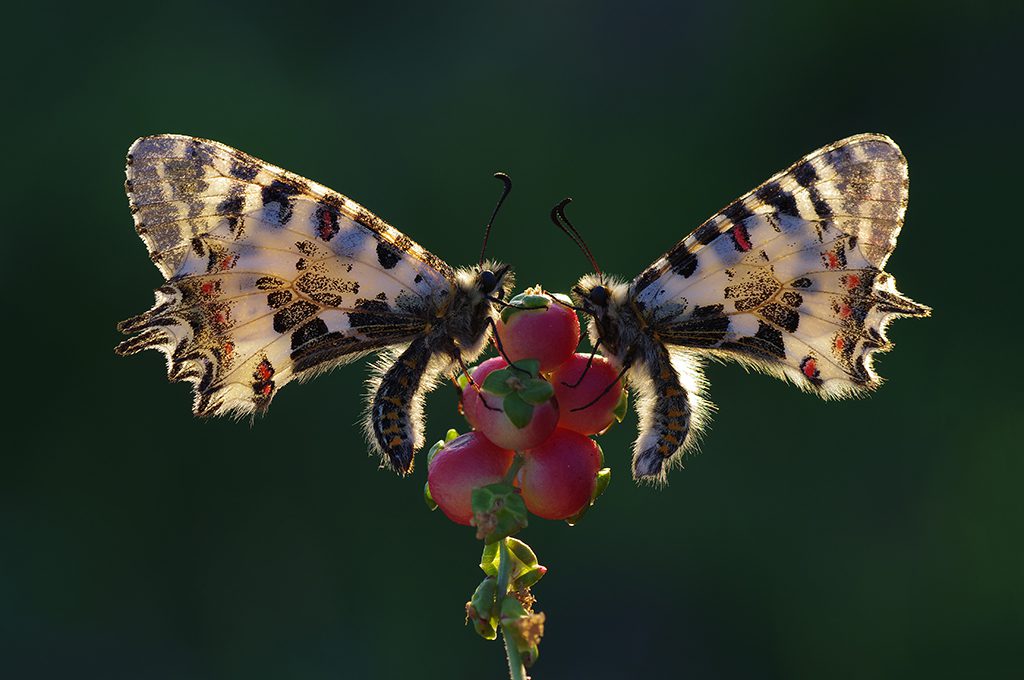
(563, 223)
(505, 192)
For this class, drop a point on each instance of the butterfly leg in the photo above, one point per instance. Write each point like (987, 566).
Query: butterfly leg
(471, 382)
(396, 415)
(590, 362)
(665, 416)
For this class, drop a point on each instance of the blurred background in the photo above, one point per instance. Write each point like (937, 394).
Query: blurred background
(879, 538)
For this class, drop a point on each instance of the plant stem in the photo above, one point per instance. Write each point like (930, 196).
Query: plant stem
(513, 470)
(516, 670)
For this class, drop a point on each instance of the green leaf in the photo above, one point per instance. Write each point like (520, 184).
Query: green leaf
(450, 435)
(427, 498)
(622, 406)
(536, 391)
(497, 383)
(517, 411)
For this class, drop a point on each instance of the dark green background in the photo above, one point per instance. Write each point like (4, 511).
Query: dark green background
(879, 538)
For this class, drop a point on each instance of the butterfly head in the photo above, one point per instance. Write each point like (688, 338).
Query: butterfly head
(603, 298)
(594, 294)
(493, 280)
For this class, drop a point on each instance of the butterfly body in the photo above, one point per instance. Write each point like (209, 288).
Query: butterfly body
(271, 277)
(788, 280)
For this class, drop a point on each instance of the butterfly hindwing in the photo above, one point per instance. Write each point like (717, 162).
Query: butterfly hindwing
(270, 276)
(788, 278)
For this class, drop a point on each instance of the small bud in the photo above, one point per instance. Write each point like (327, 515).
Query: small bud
(489, 559)
(481, 609)
(440, 444)
(529, 577)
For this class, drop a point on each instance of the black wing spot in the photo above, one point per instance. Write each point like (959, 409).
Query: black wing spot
(387, 256)
(682, 262)
(280, 193)
(706, 233)
(292, 315)
(779, 199)
(308, 331)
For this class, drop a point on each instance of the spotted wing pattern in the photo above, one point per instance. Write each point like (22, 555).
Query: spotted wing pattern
(269, 276)
(789, 278)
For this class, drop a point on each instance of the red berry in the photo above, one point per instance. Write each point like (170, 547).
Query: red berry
(495, 424)
(597, 417)
(548, 332)
(465, 463)
(471, 395)
(558, 476)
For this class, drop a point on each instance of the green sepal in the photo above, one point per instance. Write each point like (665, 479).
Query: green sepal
(497, 383)
(521, 552)
(604, 478)
(563, 298)
(601, 481)
(522, 303)
(536, 391)
(498, 511)
(462, 381)
(517, 411)
(622, 406)
(529, 577)
(600, 455)
(531, 366)
(427, 498)
(439, 444)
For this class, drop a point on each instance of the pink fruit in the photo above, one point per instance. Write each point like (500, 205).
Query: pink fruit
(497, 426)
(546, 331)
(559, 475)
(465, 463)
(597, 417)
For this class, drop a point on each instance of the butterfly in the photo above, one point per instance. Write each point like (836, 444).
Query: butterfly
(271, 277)
(788, 280)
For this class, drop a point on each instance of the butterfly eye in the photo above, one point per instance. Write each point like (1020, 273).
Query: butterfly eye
(598, 295)
(488, 281)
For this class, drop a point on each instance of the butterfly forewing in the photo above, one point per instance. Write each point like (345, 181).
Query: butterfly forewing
(269, 276)
(788, 277)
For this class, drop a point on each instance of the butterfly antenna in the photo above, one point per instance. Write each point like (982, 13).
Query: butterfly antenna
(505, 192)
(563, 223)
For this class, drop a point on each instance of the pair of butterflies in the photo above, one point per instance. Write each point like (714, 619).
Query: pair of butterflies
(271, 277)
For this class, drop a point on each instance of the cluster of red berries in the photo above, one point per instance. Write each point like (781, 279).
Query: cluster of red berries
(544, 405)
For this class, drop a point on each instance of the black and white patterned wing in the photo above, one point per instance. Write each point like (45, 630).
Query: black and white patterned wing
(789, 278)
(270, 277)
